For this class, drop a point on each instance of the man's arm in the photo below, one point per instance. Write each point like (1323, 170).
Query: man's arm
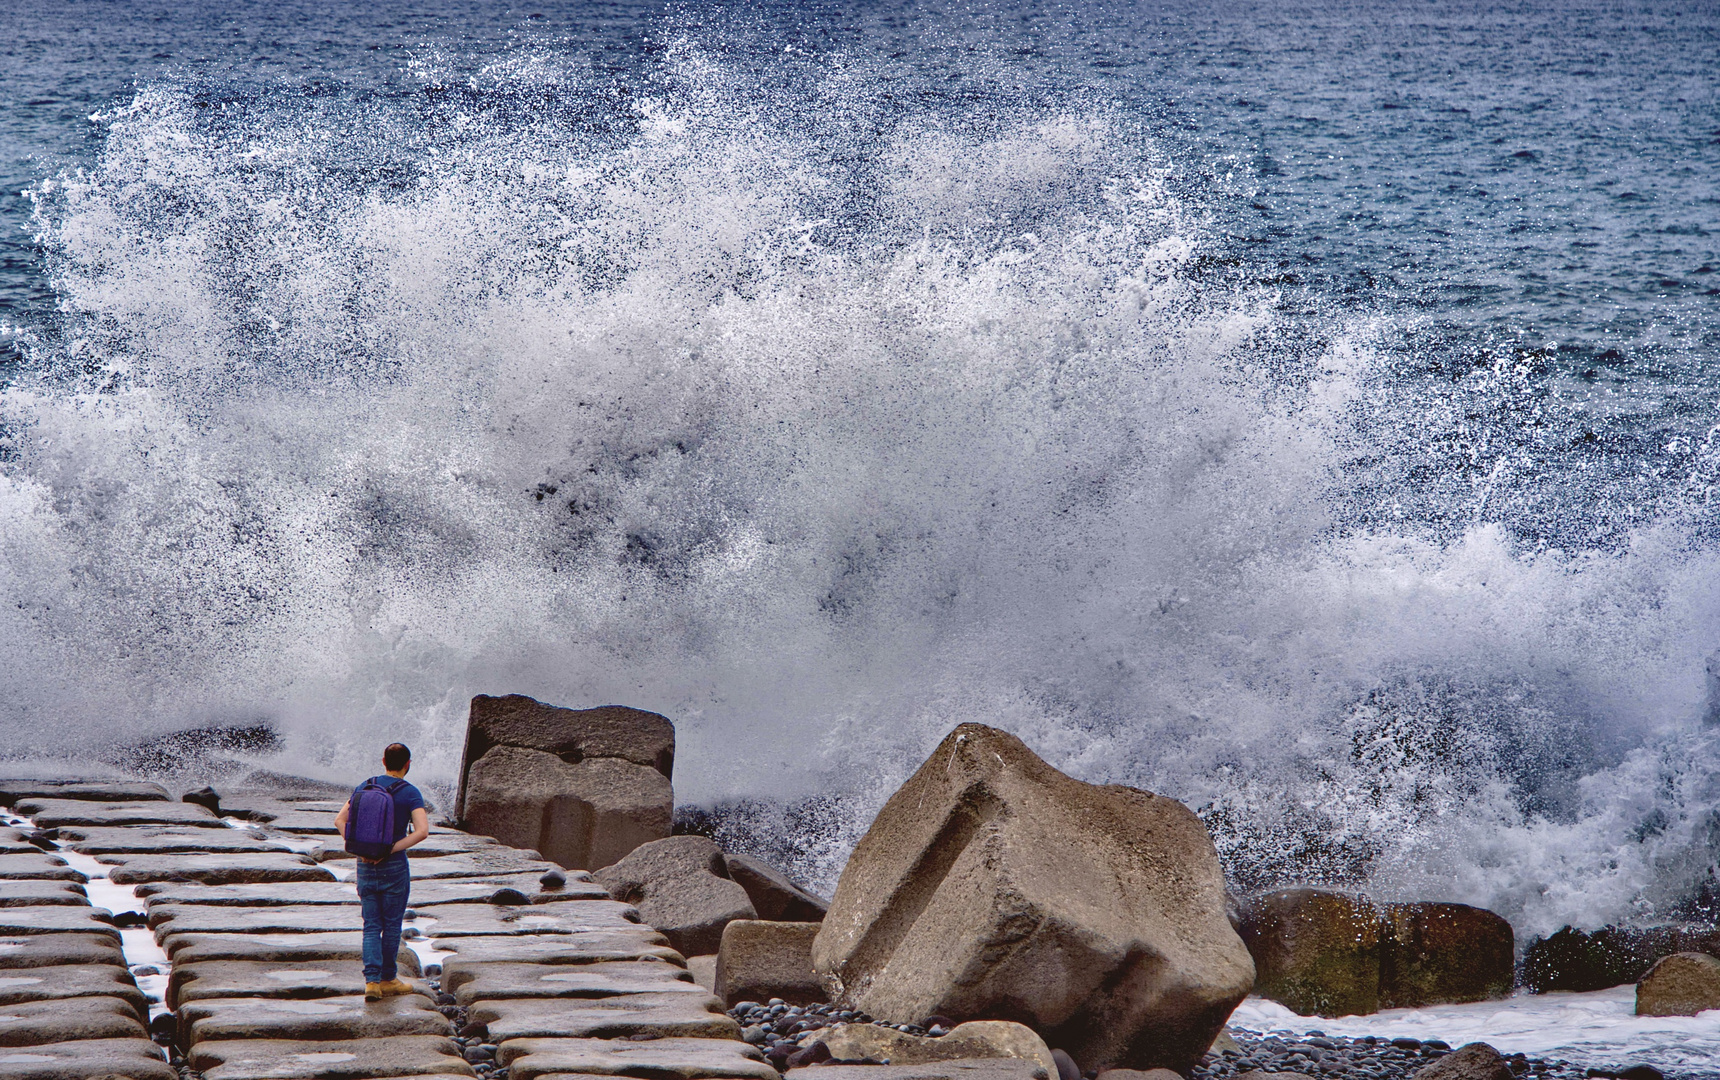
(340, 818)
(420, 830)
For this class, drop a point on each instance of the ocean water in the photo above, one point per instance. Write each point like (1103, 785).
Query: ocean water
(1304, 410)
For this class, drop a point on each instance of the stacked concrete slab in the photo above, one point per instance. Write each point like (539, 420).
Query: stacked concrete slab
(549, 975)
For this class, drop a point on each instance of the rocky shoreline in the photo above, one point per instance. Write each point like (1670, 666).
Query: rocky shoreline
(1000, 921)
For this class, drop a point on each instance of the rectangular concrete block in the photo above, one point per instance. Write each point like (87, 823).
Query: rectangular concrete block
(662, 1016)
(348, 1017)
(54, 983)
(32, 1023)
(660, 1059)
(288, 948)
(471, 981)
(638, 943)
(762, 960)
(56, 813)
(267, 979)
(217, 869)
(37, 893)
(567, 917)
(343, 1059)
(135, 1059)
(41, 867)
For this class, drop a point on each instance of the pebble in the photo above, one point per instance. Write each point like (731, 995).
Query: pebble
(1321, 1056)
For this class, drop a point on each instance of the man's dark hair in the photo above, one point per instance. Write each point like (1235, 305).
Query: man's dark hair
(396, 756)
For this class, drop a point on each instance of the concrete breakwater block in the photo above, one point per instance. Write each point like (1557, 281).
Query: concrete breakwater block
(482, 862)
(479, 980)
(762, 960)
(435, 846)
(267, 979)
(681, 886)
(134, 1059)
(54, 919)
(773, 895)
(167, 919)
(287, 948)
(31, 1023)
(13, 842)
(660, 1059)
(40, 866)
(656, 1015)
(57, 813)
(992, 884)
(217, 869)
(83, 790)
(54, 983)
(160, 840)
(56, 950)
(250, 894)
(593, 947)
(583, 786)
(1328, 953)
(38, 893)
(960, 1069)
(571, 917)
(346, 1017)
(346, 1059)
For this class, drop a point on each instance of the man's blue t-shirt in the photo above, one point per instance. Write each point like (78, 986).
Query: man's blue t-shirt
(406, 799)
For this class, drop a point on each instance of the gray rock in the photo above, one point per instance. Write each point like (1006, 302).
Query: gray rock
(760, 960)
(661, 1059)
(36, 893)
(33, 1023)
(263, 782)
(636, 943)
(131, 1059)
(161, 840)
(41, 867)
(581, 815)
(975, 1039)
(992, 884)
(1682, 984)
(18, 921)
(609, 731)
(215, 869)
(15, 842)
(57, 950)
(962, 1069)
(276, 949)
(282, 1059)
(484, 862)
(679, 885)
(58, 813)
(773, 895)
(663, 1016)
(265, 979)
(53, 983)
(559, 917)
(169, 919)
(1579, 960)
(252, 894)
(703, 969)
(349, 1017)
(480, 980)
(11, 791)
(436, 845)
(1135, 1074)
(1476, 1061)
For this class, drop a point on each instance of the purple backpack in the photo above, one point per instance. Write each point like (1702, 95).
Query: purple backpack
(370, 825)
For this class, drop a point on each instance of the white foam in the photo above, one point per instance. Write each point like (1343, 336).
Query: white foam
(1598, 1028)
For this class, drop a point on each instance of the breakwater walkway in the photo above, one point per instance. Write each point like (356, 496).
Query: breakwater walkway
(152, 939)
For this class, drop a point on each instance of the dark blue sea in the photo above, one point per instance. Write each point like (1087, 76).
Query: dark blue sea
(1305, 410)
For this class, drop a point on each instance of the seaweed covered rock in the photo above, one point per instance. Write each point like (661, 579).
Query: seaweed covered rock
(992, 886)
(1325, 953)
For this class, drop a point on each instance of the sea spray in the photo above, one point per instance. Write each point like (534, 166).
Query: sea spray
(819, 425)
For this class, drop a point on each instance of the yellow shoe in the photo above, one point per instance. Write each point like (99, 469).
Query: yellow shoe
(373, 991)
(395, 987)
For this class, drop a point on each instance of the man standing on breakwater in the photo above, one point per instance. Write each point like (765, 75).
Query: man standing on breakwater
(384, 817)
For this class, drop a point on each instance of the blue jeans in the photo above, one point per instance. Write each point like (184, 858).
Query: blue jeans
(383, 889)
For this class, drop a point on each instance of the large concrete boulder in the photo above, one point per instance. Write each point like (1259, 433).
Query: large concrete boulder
(1325, 953)
(974, 1039)
(582, 786)
(681, 887)
(992, 886)
(774, 896)
(1682, 984)
(759, 960)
